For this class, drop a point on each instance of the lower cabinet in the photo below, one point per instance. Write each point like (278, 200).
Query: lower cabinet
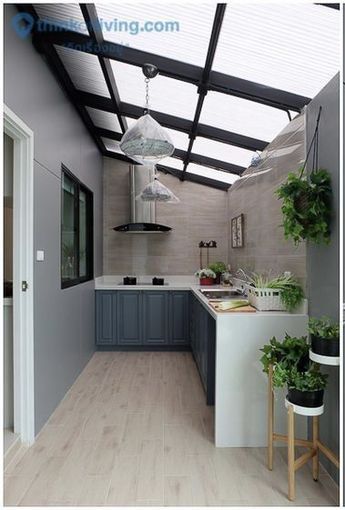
(139, 318)
(129, 318)
(203, 343)
(155, 308)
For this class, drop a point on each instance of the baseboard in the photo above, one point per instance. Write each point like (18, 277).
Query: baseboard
(12, 452)
(144, 348)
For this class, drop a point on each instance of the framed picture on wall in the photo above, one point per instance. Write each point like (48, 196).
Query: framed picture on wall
(237, 225)
(240, 231)
(234, 233)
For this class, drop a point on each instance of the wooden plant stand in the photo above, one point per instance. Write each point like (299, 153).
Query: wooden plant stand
(314, 445)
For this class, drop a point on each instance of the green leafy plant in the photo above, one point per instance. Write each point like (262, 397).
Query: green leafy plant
(311, 380)
(218, 267)
(323, 328)
(291, 352)
(205, 273)
(291, 291)
(306, 206)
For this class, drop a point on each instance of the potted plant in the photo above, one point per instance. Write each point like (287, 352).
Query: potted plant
(291, 352)
(324, 336)
(206, 276)
(278, 293)
(218, 268)
(306, 206)
(305, 389)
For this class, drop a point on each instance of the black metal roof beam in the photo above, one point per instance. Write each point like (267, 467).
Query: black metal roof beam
(213, 163)
(92, 22)
(202, 89)
(179, 70)
(172, 122)
(54, 62)
(199, 179)
(332, 6)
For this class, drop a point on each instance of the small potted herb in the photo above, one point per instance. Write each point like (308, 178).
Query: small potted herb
(206, 276)
(219, 268)
(324, 336)
(305, 389)
(286, 293)
(306, 206)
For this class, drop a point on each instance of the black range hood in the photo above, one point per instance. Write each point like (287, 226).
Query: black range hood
(142, 228)
(143, 214)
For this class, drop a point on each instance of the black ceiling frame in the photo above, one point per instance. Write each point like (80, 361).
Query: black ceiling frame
(55, 64)
(202, 88)
(175, 69)
(204, 78)
(172, 122)
(92, 22)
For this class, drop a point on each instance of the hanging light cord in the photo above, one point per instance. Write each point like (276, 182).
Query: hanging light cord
(314, 144)
(147, 98)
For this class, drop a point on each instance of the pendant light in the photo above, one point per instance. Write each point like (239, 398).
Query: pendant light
(146, 141)
(155, 191)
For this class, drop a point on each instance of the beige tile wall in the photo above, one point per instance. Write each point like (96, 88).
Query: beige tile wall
(264, 245)
(200, 215)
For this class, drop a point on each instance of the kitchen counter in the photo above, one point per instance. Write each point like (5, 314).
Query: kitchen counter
(240, 384)
(176, 282)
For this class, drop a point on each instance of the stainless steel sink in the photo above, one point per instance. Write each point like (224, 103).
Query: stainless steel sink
(221, 295)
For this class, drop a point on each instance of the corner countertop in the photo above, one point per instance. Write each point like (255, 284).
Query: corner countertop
(183, 282)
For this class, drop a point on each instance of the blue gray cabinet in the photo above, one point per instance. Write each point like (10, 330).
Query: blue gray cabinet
(203, 338)
(179, 333)
(129, 317)
(155, 317)
(106, 324)
(136, 318)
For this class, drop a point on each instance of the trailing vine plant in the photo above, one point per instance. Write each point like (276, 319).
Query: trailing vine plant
(307, 200)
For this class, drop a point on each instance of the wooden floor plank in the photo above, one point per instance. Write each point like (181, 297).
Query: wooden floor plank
(134, 430)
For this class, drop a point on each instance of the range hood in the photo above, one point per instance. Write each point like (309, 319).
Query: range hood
(143, 214)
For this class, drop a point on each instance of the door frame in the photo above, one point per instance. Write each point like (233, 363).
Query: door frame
(23, 271)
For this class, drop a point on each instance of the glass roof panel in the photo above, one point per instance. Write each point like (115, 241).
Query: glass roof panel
(166, 95)
(104, 120)
(289, 46)
(112, 145)
(84, 70)
(217, 175)
(67, 16)
(177, 31)
(172, 162)
(242, 116)
(222, 151)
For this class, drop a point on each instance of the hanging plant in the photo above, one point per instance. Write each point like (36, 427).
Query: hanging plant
(307, 207)
(307, 200)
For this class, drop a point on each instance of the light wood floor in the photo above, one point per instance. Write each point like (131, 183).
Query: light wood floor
(134, 430)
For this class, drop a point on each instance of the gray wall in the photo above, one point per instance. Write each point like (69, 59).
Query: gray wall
(323, 261)
(64, 319)
(200, 215)
(265, 247)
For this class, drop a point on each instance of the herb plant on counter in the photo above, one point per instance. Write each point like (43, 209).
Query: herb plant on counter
(307, 206)
(291, 292)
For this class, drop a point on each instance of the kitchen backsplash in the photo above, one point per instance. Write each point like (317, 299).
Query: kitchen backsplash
(200, 215)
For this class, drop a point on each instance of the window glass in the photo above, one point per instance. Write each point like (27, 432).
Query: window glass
(69, 231)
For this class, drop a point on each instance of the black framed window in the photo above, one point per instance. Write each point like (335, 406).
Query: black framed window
(76, 231)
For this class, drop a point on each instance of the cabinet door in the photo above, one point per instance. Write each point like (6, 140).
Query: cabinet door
(129, 316)
(179, 317)
(106, 330)
(155, 314)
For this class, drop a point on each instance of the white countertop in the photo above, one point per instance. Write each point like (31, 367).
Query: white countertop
(182, 282)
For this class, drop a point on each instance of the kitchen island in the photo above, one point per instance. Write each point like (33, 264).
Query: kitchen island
(240, 387)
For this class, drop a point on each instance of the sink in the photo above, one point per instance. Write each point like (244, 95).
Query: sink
(221, 295)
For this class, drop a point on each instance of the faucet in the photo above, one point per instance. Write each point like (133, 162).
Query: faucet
(240, 272)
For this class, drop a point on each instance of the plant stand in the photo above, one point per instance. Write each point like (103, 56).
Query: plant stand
(314, 445)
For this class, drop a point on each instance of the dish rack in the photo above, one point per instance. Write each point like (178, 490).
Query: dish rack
(265, 299)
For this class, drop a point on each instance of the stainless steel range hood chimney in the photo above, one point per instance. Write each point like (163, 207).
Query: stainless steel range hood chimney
(143, 214)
